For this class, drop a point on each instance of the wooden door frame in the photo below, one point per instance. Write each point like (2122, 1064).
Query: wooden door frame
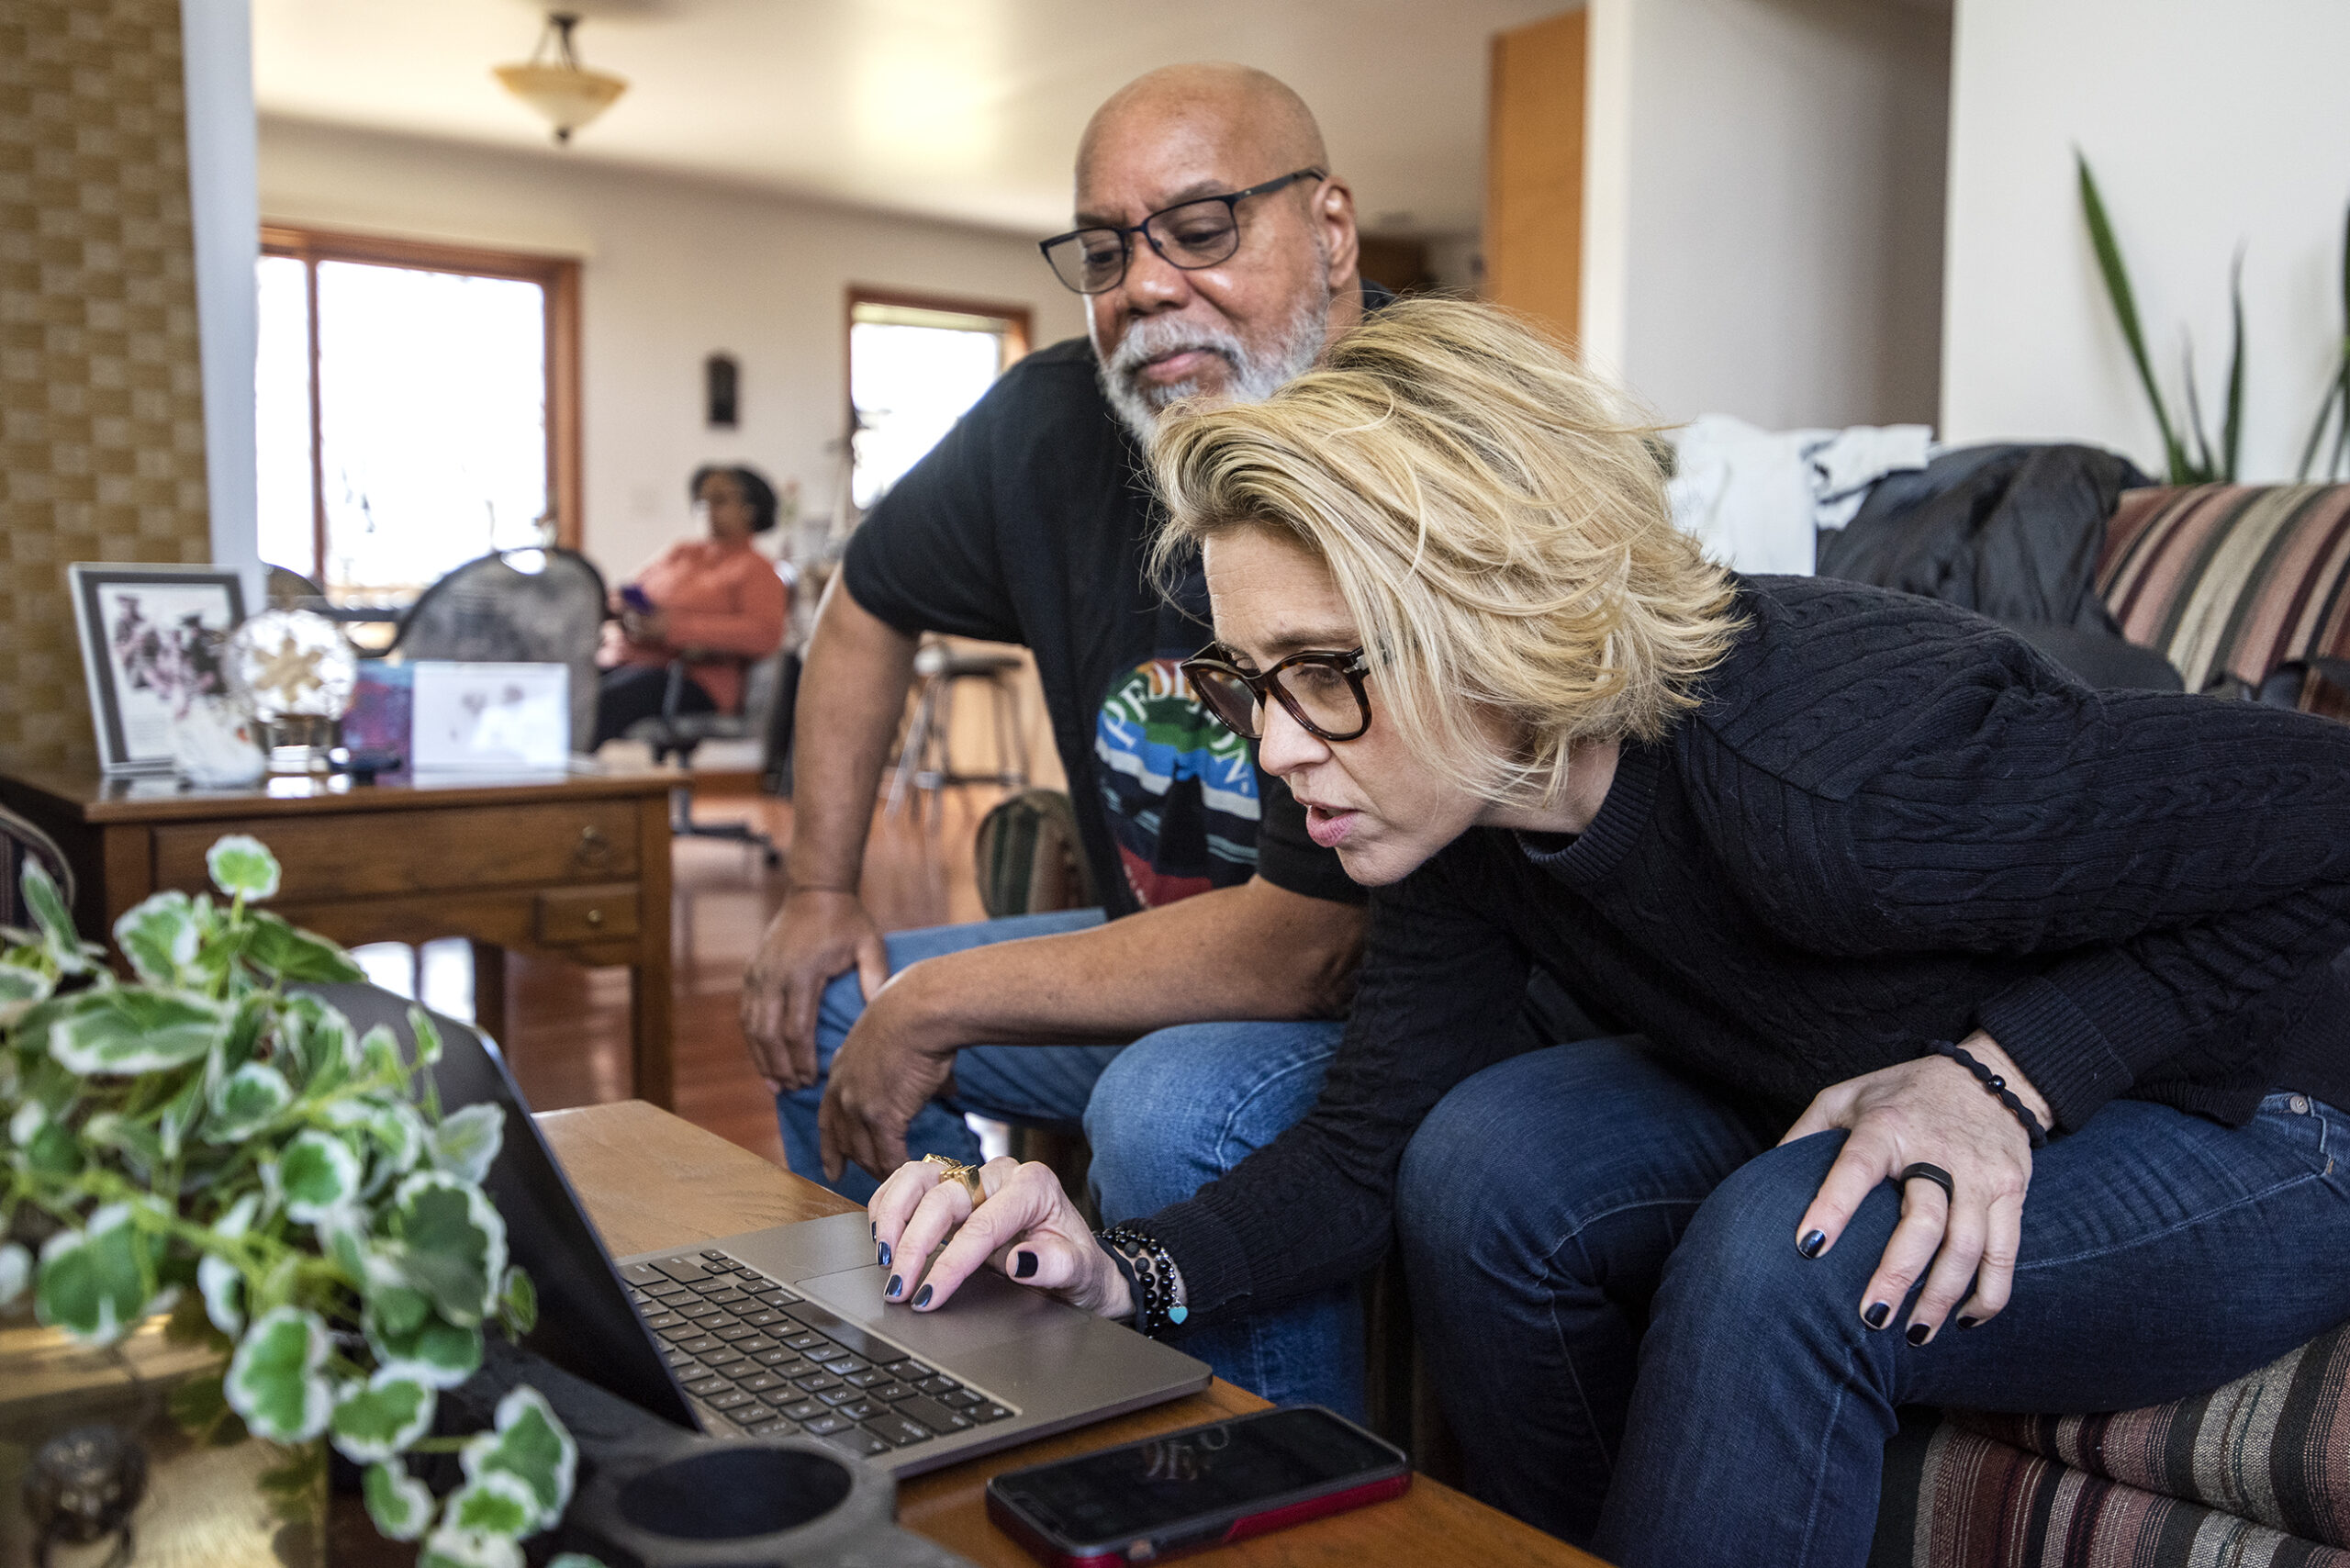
(558, 278)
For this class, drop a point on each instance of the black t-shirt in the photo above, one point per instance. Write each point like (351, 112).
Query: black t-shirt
(1029, 524)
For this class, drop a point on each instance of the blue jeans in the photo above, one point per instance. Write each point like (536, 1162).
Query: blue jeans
(1165, 1115)
(1635, 1357)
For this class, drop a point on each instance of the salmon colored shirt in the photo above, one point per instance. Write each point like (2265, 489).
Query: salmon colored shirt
(723, 598)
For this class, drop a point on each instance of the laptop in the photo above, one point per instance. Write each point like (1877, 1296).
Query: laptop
(783, 1330)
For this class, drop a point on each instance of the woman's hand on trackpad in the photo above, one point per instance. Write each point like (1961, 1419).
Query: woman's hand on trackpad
(1024, 1228)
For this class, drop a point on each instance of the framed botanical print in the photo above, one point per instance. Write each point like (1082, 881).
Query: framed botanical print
(150, 644)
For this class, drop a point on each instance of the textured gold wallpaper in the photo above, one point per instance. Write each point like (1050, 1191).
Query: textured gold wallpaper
(101, 403)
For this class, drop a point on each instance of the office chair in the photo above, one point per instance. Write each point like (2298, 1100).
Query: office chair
(529, 606)
(770, 689)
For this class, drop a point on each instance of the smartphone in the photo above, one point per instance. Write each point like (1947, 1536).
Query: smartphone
(636, 599)
(1200, 1488)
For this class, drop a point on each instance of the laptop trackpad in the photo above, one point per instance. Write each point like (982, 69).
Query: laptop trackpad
(987, 1310)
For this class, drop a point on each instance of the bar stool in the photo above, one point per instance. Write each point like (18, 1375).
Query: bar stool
(925, 757)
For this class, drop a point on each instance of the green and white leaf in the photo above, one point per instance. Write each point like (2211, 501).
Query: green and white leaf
(121, 1031)
(275, 1378)
(450, 1244)
(421, 1344)
(57, 938)
(574, 1560)
(427, 1034)
(517, 1303)
(243, 866)
(291, 952)
(401, 1505)
(159, 936)
(379, 1418)
(530, 1443)
(379, 1053)
(466, 1142)
(448, 1548)
(320, 1173)
(399, 1136)
(220, 1283)
(245, 1102)
(320, 1038)
(16, 1272)
(223, 1289)
(95, 1282)
(22, 987)
(495, 1502)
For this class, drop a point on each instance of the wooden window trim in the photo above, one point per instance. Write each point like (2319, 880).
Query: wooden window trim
(558, 277)
(1021, 330)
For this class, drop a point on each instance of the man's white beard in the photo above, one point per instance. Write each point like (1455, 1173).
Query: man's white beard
(1253, 377)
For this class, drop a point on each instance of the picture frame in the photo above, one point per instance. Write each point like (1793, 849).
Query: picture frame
(132, 619)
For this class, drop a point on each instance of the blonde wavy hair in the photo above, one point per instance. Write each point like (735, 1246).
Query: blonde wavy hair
(1495, 522)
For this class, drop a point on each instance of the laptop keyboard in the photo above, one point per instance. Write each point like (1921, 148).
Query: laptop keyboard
(753, 1354)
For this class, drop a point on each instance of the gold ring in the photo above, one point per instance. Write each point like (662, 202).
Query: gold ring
(956, 1170)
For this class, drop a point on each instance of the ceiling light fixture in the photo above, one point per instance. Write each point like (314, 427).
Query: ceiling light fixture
(554, 82)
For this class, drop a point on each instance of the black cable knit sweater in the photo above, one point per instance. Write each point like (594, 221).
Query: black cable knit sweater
(1890, 822)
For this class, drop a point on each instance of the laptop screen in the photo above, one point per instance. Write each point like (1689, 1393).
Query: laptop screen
(586, 1324)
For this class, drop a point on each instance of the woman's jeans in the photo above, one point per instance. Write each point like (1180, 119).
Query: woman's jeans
(1165, 1116)
(1635, 1357)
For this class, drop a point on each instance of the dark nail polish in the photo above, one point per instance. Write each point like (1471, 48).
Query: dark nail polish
(885, 1254)
(922, 1297)
(1919, 1333)
(1968, 1322)
(1813, 1244)
(894, 1287)
(1878, 1313)
(1024, 1265)
(876, 1228)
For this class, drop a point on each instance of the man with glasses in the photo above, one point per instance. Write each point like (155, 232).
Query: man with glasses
(1216, 254)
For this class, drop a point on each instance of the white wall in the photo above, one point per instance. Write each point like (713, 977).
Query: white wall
(2210, 124)
(1763, 206)
(673, 269)
(216, 39)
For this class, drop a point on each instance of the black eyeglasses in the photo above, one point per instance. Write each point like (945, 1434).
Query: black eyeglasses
(1322, 691)
(1190, 235)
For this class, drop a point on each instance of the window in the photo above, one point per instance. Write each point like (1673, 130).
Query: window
(417, 406)
(915, 364)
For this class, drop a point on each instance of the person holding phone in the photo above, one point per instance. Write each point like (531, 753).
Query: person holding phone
(715, 602)
(1981, 1037)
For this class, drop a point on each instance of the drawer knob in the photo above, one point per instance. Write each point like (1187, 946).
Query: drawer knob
(594, 849)
(595, 917)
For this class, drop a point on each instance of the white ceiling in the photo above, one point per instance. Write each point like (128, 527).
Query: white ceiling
(960, 109)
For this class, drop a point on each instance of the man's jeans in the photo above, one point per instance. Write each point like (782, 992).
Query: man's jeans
(1635, 1357)
(1165, 1115)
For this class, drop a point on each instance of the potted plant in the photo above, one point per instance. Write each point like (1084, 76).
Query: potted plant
(199, 1141)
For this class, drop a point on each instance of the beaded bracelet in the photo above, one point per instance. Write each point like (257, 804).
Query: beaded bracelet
(1997, 1085)
(1151, 1278)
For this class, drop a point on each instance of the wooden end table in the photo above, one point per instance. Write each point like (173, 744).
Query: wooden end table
(572, 865)
(650, 1180)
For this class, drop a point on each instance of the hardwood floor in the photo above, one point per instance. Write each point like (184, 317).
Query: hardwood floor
(566, 1033)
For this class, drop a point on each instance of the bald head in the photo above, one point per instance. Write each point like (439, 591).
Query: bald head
(1239, 320)
(1229, 115)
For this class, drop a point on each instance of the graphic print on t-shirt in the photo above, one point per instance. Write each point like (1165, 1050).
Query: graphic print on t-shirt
(1178, 788)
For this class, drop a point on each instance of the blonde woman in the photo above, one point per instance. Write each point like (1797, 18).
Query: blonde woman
(1981, 1034)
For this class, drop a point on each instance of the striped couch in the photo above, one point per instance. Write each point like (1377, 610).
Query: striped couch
(2246, 591)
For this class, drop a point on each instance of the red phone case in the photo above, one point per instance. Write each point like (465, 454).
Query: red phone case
(1175, 1542)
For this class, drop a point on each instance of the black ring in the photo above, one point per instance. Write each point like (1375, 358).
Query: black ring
(1921, 1171)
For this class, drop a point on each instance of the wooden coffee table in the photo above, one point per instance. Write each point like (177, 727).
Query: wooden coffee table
(569, 866)
(650, 1180)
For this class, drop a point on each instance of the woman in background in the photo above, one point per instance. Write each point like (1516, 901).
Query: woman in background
(717, 604)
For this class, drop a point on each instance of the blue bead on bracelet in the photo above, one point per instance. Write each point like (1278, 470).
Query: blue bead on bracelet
(1997, 1086)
